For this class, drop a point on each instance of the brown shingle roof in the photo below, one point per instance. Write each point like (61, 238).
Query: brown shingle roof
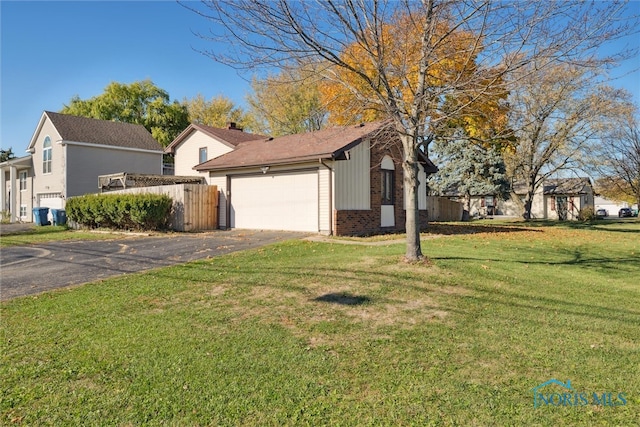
(232, 137)
(567, 186)
(327, 143)
(103, 132)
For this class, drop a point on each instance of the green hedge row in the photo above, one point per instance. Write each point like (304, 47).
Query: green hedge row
(120, 211)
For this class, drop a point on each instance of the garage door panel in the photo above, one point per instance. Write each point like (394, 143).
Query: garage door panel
(275, 202)
(51, 201)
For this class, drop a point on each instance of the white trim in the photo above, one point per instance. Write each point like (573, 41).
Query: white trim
(24, 173)
(387, 216)
(112, 147)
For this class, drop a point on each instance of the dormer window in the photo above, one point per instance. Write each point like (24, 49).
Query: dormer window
(46, 155)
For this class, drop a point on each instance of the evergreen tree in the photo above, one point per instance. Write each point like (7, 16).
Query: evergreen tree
(468, 169)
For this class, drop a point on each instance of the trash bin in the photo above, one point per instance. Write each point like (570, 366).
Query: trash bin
(59, 216)
(40, 216)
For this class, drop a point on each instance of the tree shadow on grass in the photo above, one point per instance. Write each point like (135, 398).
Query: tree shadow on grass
(343, 298)
(470, 228)
(603, 225)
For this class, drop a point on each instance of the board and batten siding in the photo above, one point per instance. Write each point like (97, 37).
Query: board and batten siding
(324, 200)
(352, 179)
(195, 206)
(187, 154)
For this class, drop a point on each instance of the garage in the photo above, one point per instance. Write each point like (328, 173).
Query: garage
(287, 201)
(51, 201)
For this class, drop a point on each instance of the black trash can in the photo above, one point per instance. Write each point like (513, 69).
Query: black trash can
(59, 216)
(40, 216)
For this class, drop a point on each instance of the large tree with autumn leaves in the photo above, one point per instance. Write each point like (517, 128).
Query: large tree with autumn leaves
(419, 64)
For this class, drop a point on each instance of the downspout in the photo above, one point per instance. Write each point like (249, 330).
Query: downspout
(228, 191)
(330, 169)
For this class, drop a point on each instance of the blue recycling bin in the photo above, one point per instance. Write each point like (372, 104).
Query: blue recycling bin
(40, 216)
(59, 216)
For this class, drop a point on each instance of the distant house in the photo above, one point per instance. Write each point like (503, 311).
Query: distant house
(341, 181)
(564, 198)
(612, 206)
(561, 198)
(67, 154)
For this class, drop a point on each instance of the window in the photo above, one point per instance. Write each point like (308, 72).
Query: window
(23, 180)
(387, 187)
(46, 155)
(203, 154)
(23, 211)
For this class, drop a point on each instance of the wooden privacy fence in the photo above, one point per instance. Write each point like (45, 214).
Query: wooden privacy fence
(195, 206)
(443, 209)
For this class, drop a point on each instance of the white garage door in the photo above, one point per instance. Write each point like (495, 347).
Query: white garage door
(275, 202)
(49, 200)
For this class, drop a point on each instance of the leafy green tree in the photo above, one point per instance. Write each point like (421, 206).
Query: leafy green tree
(217, 112)
(468, 169)
(288, 102)
(6, 154)
(141, 103)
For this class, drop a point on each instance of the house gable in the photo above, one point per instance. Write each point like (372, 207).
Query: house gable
(215, 142)
(82, 130)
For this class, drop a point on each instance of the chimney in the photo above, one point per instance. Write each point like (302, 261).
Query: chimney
(232, 126)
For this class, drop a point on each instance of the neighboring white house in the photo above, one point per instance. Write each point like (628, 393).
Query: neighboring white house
(67, 154)
(564, 198)
(341, 181)
(611, 206)
(199, 143)
(561, 198)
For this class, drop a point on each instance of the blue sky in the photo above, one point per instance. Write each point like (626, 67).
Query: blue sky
(51, 51)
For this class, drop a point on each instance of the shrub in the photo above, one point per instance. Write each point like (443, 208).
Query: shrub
(120, 211)
(587, 214)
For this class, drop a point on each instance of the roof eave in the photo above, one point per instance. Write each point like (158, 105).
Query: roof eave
(32, 142)
(170, 149)
(282, 162)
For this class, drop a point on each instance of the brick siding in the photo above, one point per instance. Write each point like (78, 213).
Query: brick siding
(367, 222)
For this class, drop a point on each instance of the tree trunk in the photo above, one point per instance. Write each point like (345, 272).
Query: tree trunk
(412, 222)
(466, 209)
(528, 202)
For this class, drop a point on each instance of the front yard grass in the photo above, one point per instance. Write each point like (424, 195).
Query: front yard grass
(307, 333)
(43, 234)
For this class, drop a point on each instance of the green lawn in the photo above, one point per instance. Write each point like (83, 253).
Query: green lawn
(54, 233)
(303, 333)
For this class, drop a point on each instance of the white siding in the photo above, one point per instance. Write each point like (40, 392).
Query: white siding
(324, 200)
(352, 179)
(53, 182)
(187, 154)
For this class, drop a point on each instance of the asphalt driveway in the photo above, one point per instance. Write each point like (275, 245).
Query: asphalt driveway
(27, 270)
